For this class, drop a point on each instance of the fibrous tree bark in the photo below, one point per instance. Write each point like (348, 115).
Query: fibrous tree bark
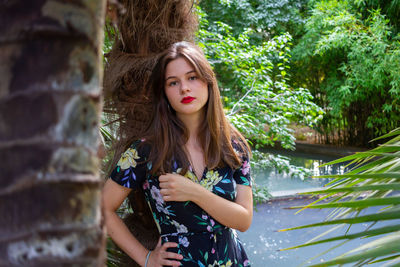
(50, 102)
(145, 29)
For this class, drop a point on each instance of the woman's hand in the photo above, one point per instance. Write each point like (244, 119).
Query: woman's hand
(161, 257)
(175, 187)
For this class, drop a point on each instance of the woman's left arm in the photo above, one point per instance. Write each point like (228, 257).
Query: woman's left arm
(237, 215)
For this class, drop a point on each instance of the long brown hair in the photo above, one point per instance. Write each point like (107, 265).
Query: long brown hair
(167, 134)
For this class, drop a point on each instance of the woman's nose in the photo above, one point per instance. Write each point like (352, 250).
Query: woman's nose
(185, 88)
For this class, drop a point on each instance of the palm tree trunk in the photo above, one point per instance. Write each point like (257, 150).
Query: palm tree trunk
(50, 102)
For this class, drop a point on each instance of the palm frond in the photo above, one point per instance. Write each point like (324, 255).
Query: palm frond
(373, 180)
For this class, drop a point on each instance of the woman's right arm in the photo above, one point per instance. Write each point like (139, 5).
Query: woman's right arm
(112, 197)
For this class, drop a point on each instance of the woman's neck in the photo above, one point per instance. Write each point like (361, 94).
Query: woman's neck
(192, 123)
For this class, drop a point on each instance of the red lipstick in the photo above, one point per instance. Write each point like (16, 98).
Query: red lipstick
(187, 99)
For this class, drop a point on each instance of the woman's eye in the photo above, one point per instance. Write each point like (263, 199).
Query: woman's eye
(172, 83)
(192, 78)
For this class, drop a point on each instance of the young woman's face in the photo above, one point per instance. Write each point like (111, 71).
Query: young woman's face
(187, 93)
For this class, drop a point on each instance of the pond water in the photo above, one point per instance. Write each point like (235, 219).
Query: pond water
(262, 241)
(283, 184)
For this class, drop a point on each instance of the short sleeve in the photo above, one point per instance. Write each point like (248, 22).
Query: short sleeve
(131, 168)
(242, 174)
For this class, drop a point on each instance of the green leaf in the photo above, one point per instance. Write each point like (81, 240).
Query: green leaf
(387, 175)
(390, 134)
(379, 187)
(395, 257)
(365, 203)
(388, 247)
(383, 216)
(369, 233)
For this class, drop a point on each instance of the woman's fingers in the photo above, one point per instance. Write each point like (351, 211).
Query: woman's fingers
(170, 263)
(163, 182)
(163, 192)
(168, 257)
(169, 245)
(166, 194)
(161, 257)
(175, 187)
(172, 255)
(163, 178)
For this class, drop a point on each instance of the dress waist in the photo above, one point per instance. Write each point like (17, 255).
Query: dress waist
(216, 231)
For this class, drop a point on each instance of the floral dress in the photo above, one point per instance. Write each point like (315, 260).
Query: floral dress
(202, 241)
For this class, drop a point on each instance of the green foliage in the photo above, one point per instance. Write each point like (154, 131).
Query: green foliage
(253, 78)
(389, 8)
(113, 254)
(281, 164)
(254, 84)
(354, 67)
(109, 37)
(374, 181)
(260, 195)
(266, 18)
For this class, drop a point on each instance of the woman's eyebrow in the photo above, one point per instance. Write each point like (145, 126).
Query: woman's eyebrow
(172, 77)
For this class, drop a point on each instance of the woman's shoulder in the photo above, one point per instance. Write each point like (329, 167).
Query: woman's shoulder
(137, 142)
(141, 147)
(238, 141)
(240, 146)
(136, 153)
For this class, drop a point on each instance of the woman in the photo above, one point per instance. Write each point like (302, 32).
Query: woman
(193, 167)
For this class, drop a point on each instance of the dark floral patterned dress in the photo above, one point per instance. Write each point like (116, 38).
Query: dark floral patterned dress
(201, 239)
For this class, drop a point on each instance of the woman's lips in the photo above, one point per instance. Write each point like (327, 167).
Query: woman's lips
(187, 99)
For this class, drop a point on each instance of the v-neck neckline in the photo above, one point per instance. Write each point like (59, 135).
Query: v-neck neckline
(198, 179)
